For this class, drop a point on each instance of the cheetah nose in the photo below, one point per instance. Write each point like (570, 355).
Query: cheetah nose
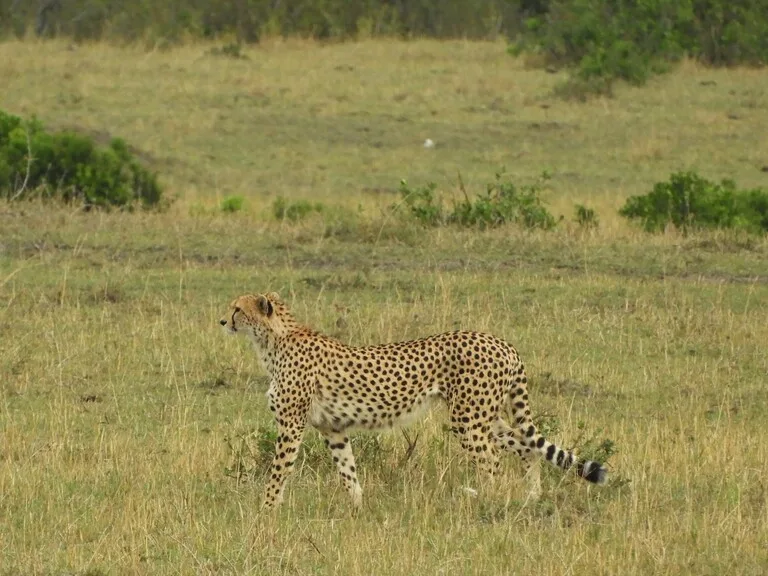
(223, 322)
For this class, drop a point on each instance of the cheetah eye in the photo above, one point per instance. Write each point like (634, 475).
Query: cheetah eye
(237, 309)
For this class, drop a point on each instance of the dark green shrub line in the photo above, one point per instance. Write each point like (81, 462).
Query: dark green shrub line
(689, 201)
(601, 41)
(248, 20)
(70, 167)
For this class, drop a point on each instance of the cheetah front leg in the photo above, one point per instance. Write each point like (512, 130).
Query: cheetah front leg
(286, 449)
(341, 450)
(291, 417)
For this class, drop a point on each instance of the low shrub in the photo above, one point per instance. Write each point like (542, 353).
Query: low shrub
(71, 167)
(689, 201)
(422, 203)
(502, 203)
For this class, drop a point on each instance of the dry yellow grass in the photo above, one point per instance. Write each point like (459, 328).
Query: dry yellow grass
(123, 410)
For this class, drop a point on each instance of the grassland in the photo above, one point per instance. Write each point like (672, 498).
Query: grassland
(132, 432)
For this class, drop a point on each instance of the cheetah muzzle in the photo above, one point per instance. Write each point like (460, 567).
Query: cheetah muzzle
(316, 380)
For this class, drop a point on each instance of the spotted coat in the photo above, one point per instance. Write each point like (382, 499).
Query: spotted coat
(316, 380)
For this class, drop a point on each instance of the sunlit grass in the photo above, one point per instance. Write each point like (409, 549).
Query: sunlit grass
(124, 410)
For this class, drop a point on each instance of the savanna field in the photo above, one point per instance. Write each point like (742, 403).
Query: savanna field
(135, 438)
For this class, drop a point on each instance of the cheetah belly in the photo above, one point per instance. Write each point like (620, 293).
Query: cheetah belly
(375, 413)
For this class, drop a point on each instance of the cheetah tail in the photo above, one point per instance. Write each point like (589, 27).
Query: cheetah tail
(590, 470)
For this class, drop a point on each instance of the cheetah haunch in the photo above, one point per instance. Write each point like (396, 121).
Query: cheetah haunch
(336, 388)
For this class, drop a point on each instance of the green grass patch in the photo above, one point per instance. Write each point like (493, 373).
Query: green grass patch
(232, 204)
(134, 435)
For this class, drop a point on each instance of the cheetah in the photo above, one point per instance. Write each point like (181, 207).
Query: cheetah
(317, 380)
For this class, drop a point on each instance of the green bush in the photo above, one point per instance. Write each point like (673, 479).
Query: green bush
(501, 203)
(423, 203)
(689, 201)
(601, 41)
(232, 204)
(71, 167)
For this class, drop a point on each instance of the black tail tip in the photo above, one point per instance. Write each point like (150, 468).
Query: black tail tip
(593, 472)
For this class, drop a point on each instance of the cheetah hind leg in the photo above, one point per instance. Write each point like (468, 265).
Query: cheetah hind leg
(505, 438)
(341, 450)
(474, 437)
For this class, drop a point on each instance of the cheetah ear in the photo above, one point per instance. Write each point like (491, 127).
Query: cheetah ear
(265, 306)
(273, 296)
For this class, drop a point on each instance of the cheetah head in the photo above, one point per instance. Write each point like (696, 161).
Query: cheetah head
(256, 315)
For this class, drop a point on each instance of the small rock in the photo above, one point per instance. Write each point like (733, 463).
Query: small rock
(428, 143)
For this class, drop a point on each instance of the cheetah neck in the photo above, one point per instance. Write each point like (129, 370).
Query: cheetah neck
(282, 322)
(265, 351)
(265, 342)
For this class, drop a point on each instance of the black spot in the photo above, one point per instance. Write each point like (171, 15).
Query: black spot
(551, 451)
